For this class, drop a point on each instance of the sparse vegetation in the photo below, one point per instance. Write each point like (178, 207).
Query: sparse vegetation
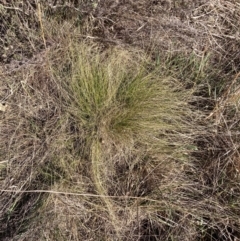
(106, 137)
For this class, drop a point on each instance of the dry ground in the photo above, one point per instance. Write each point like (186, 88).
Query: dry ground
(119, 120)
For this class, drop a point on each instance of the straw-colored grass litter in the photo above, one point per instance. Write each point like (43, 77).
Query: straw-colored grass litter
(103, 127)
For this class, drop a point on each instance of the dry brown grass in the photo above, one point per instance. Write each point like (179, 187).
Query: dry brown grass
(106, 169)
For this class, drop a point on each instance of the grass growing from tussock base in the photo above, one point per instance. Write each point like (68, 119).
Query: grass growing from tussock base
(127, 116)
(106, 125)
(114, 95)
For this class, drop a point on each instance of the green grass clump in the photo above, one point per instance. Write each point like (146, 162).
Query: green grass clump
(128, 119)
(118, 95)
(108, 124)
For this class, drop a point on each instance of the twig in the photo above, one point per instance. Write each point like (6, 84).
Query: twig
(41, 25)
(79, 194)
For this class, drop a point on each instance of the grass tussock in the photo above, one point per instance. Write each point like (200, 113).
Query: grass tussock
(128, 116)
(105, 121)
